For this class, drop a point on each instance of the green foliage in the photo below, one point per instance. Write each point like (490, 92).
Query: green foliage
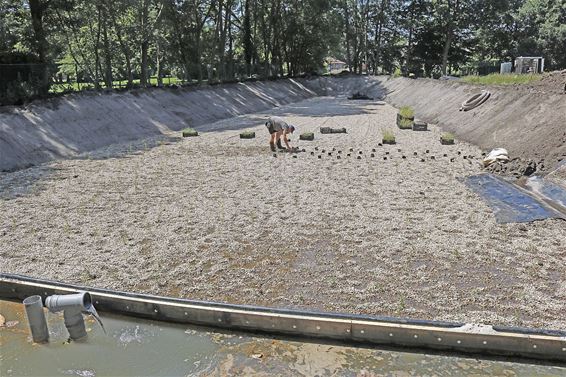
(405, 124)
(502, 79)
(103, 43)
(406, 112)
(508, 29)
(189, 132)
(388, 137)
(447, 137)
(307, 136)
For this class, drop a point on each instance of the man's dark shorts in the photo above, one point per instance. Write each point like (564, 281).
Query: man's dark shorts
(270, 127)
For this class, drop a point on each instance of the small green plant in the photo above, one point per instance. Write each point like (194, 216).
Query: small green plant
(189, 132)
(405, 124)
(402, 304)
(388, 137)
(397, 72)
(447, 138)
(406, 112)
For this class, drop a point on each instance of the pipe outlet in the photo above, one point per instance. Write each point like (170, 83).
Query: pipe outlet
(36, 319)
(73, 306)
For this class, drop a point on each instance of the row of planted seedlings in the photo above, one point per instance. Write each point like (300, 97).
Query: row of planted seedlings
(406, 121)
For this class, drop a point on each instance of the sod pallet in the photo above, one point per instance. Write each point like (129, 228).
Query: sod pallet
(189, 132)
(330, 130)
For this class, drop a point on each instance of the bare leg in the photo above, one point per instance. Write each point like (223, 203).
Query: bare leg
(278, 135)
(272, 142)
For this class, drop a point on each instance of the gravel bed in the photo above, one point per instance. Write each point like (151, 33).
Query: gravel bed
(217, 217)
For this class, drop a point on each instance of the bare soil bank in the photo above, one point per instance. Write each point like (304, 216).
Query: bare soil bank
(529, 121)
(219, 218)
(75, 124)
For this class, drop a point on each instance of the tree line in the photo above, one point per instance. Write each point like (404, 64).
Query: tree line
(101, 41)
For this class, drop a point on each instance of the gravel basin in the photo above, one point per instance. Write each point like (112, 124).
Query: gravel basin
(216, 217)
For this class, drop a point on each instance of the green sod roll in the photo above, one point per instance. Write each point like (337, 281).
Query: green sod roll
(306, 136)
(189, 132)
(247, 135)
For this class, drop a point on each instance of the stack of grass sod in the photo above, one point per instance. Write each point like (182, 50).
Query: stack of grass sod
(388, 137)
(306, 136)
(247, 135)
(189, 132)
(329, 130)
(405, 118)
(447, 138)
(341, 130)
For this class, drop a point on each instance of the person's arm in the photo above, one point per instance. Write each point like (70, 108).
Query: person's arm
(285, 138)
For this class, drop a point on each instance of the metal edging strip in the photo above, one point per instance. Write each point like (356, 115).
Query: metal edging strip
(458, 337)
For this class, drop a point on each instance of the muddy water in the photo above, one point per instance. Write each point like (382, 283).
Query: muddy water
(135, 347)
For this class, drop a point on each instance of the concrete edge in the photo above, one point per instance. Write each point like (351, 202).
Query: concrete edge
(458, 337)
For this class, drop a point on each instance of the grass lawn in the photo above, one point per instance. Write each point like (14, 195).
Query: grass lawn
(502, 79)
(58, 88)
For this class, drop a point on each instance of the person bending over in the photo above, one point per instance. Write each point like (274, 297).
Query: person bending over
(278, 129)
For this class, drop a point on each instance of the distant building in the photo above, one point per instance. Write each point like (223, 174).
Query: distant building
(506, 67)
(529, 64)
(335, 65)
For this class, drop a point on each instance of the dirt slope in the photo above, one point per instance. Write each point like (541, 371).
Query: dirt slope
(71, 125)
(529, 121)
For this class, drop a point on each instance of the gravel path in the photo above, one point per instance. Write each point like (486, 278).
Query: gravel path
(219, 218)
